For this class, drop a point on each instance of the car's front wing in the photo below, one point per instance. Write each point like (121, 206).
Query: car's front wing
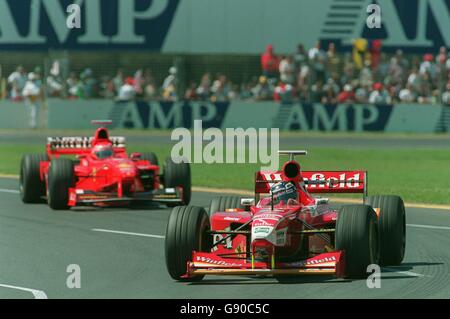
(331, 263)
(86, 197)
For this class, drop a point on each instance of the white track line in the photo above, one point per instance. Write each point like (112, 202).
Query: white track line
(403, 272)
(127, 233)
(38, 294)
(428, 226)
(10, 191)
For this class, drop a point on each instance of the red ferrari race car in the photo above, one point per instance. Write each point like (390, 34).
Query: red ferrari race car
(102, 175)
(285, 230)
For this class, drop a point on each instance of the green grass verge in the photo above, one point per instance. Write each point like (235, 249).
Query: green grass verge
(419, 176)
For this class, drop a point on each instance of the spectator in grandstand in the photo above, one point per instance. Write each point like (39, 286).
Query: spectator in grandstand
(73, 86)
(150, 87)
(55, 83)
(347, 95)
(331, 91)
(191, 92)
(317, 59)
(300, 57)
(283, 92)
(441, 58)
(333, 60)
(447, 64)
(407, 95)
(139, 83)
(263, 91)
(169, 87)
(402, 60)
(233, 93)
(89, 84)
(17, 81)
(246, 91)
(287, 70)
(446, 95)
(126, 91)
(118, 80)
(220, 89)
(383, 68)
(428, 66)
(375, 54)
(365, 75)
(414, 79)
(379, 95)
(270, 63)
(317, 92)
(360, 52)
(348, 73)
(362, 94)
(204, 89)
(32, 94)
(106, 88)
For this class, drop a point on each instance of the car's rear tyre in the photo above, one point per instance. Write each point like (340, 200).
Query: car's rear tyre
(357, 235)
(60, 178)
(222, 203)
(151, 157)
(32, 188)
(187, 230)
(178, 174)
(391, 226)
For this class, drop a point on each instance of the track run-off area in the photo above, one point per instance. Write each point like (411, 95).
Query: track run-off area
(120, 253)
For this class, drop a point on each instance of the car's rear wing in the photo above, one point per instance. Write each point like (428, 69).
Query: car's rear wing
(78, 145)
(318, 181)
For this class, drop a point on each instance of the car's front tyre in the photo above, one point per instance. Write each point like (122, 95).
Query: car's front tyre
(61, 177)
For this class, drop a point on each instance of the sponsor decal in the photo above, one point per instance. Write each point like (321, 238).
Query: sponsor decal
(208, 260)
(414, 26)
(281, 237)
(340, 180)
(264, 230)
(314, 262)
(103, 25)
(332, 117)
(167, 115)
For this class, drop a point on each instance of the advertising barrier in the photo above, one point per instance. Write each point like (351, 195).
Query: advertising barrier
(221, 26)
(65, 114)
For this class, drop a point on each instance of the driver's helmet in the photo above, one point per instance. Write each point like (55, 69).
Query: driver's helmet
(285, 192)
(103, 151)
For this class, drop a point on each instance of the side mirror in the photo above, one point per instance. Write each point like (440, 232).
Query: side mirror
(247, 202)
(135, 156)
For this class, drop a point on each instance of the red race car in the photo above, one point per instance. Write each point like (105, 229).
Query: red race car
(102, 174)
(286, 231)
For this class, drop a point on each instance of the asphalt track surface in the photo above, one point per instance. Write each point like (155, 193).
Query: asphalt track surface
(121, 255)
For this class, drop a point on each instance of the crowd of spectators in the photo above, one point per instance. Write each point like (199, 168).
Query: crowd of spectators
(366, 75)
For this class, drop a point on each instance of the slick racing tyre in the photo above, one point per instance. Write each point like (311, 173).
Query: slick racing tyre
(178, 174)
(60, 179)
(187, 230)
(391, 227)
(32, 188)
(357, 235)
(151, 157)
(222, 203)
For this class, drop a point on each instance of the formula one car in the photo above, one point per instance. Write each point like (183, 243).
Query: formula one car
(102, 174)
(286, 231)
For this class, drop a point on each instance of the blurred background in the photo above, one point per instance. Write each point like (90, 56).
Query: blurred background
(229, 51)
